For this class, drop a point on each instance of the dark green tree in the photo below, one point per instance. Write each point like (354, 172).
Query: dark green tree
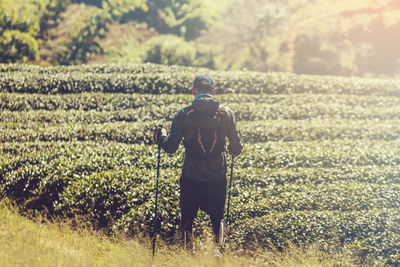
(51, 17)
(185, 18)
(173, 50)
(17, 42)
(86, 41)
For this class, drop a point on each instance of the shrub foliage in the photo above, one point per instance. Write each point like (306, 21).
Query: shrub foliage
(321, 159)
(157, 79)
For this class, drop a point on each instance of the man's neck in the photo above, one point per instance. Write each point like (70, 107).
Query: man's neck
(201, 95)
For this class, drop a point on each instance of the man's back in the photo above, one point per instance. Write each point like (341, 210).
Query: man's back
(204, 126)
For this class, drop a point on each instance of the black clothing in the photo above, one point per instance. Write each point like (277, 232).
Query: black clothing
(208, 167)
(208, 196)
(203, 180)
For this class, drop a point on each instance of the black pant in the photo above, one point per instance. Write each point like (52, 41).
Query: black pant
(208, 196)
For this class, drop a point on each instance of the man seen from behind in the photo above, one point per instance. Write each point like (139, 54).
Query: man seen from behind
(204, 127)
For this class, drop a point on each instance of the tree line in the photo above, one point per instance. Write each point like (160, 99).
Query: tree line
(302, 36)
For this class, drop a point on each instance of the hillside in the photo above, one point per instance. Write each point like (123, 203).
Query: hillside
(320, 166)
(346, 38)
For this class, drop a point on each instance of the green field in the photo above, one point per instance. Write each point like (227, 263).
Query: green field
(320, 165)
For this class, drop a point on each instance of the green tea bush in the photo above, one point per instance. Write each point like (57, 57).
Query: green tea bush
(320, 163)
(157, 79)
(134, 132)
(246, 107)
(329, 229)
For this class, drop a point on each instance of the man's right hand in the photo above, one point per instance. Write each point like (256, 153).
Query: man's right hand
(159, 132)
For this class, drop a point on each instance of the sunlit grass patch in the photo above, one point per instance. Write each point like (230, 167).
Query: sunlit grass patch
(24, 242)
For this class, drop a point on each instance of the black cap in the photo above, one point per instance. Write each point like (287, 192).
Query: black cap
(203, 82)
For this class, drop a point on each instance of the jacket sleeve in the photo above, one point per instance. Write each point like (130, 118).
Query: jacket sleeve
(235, 146)
(171, 143)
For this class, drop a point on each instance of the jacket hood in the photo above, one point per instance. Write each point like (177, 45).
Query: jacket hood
(205, 105)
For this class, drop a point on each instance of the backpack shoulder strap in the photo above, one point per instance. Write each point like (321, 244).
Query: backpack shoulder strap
(190, 110)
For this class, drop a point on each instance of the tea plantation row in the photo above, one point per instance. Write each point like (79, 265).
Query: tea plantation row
(122, 107)
(251, 132)
(156, 79)
(349, 190)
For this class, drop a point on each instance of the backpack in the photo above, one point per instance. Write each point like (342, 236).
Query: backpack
(205, 133)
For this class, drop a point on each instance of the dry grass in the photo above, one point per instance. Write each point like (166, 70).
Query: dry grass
(27, 243)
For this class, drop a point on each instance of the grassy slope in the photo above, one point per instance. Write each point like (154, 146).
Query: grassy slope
(27, 243)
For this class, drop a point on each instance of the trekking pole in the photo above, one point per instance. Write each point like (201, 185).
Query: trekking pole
(155, 209)
(230, 189)
(224, 223)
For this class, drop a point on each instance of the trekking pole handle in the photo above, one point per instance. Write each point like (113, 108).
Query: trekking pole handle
(156, 133)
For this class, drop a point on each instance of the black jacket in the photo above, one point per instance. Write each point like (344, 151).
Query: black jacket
(206, 168)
